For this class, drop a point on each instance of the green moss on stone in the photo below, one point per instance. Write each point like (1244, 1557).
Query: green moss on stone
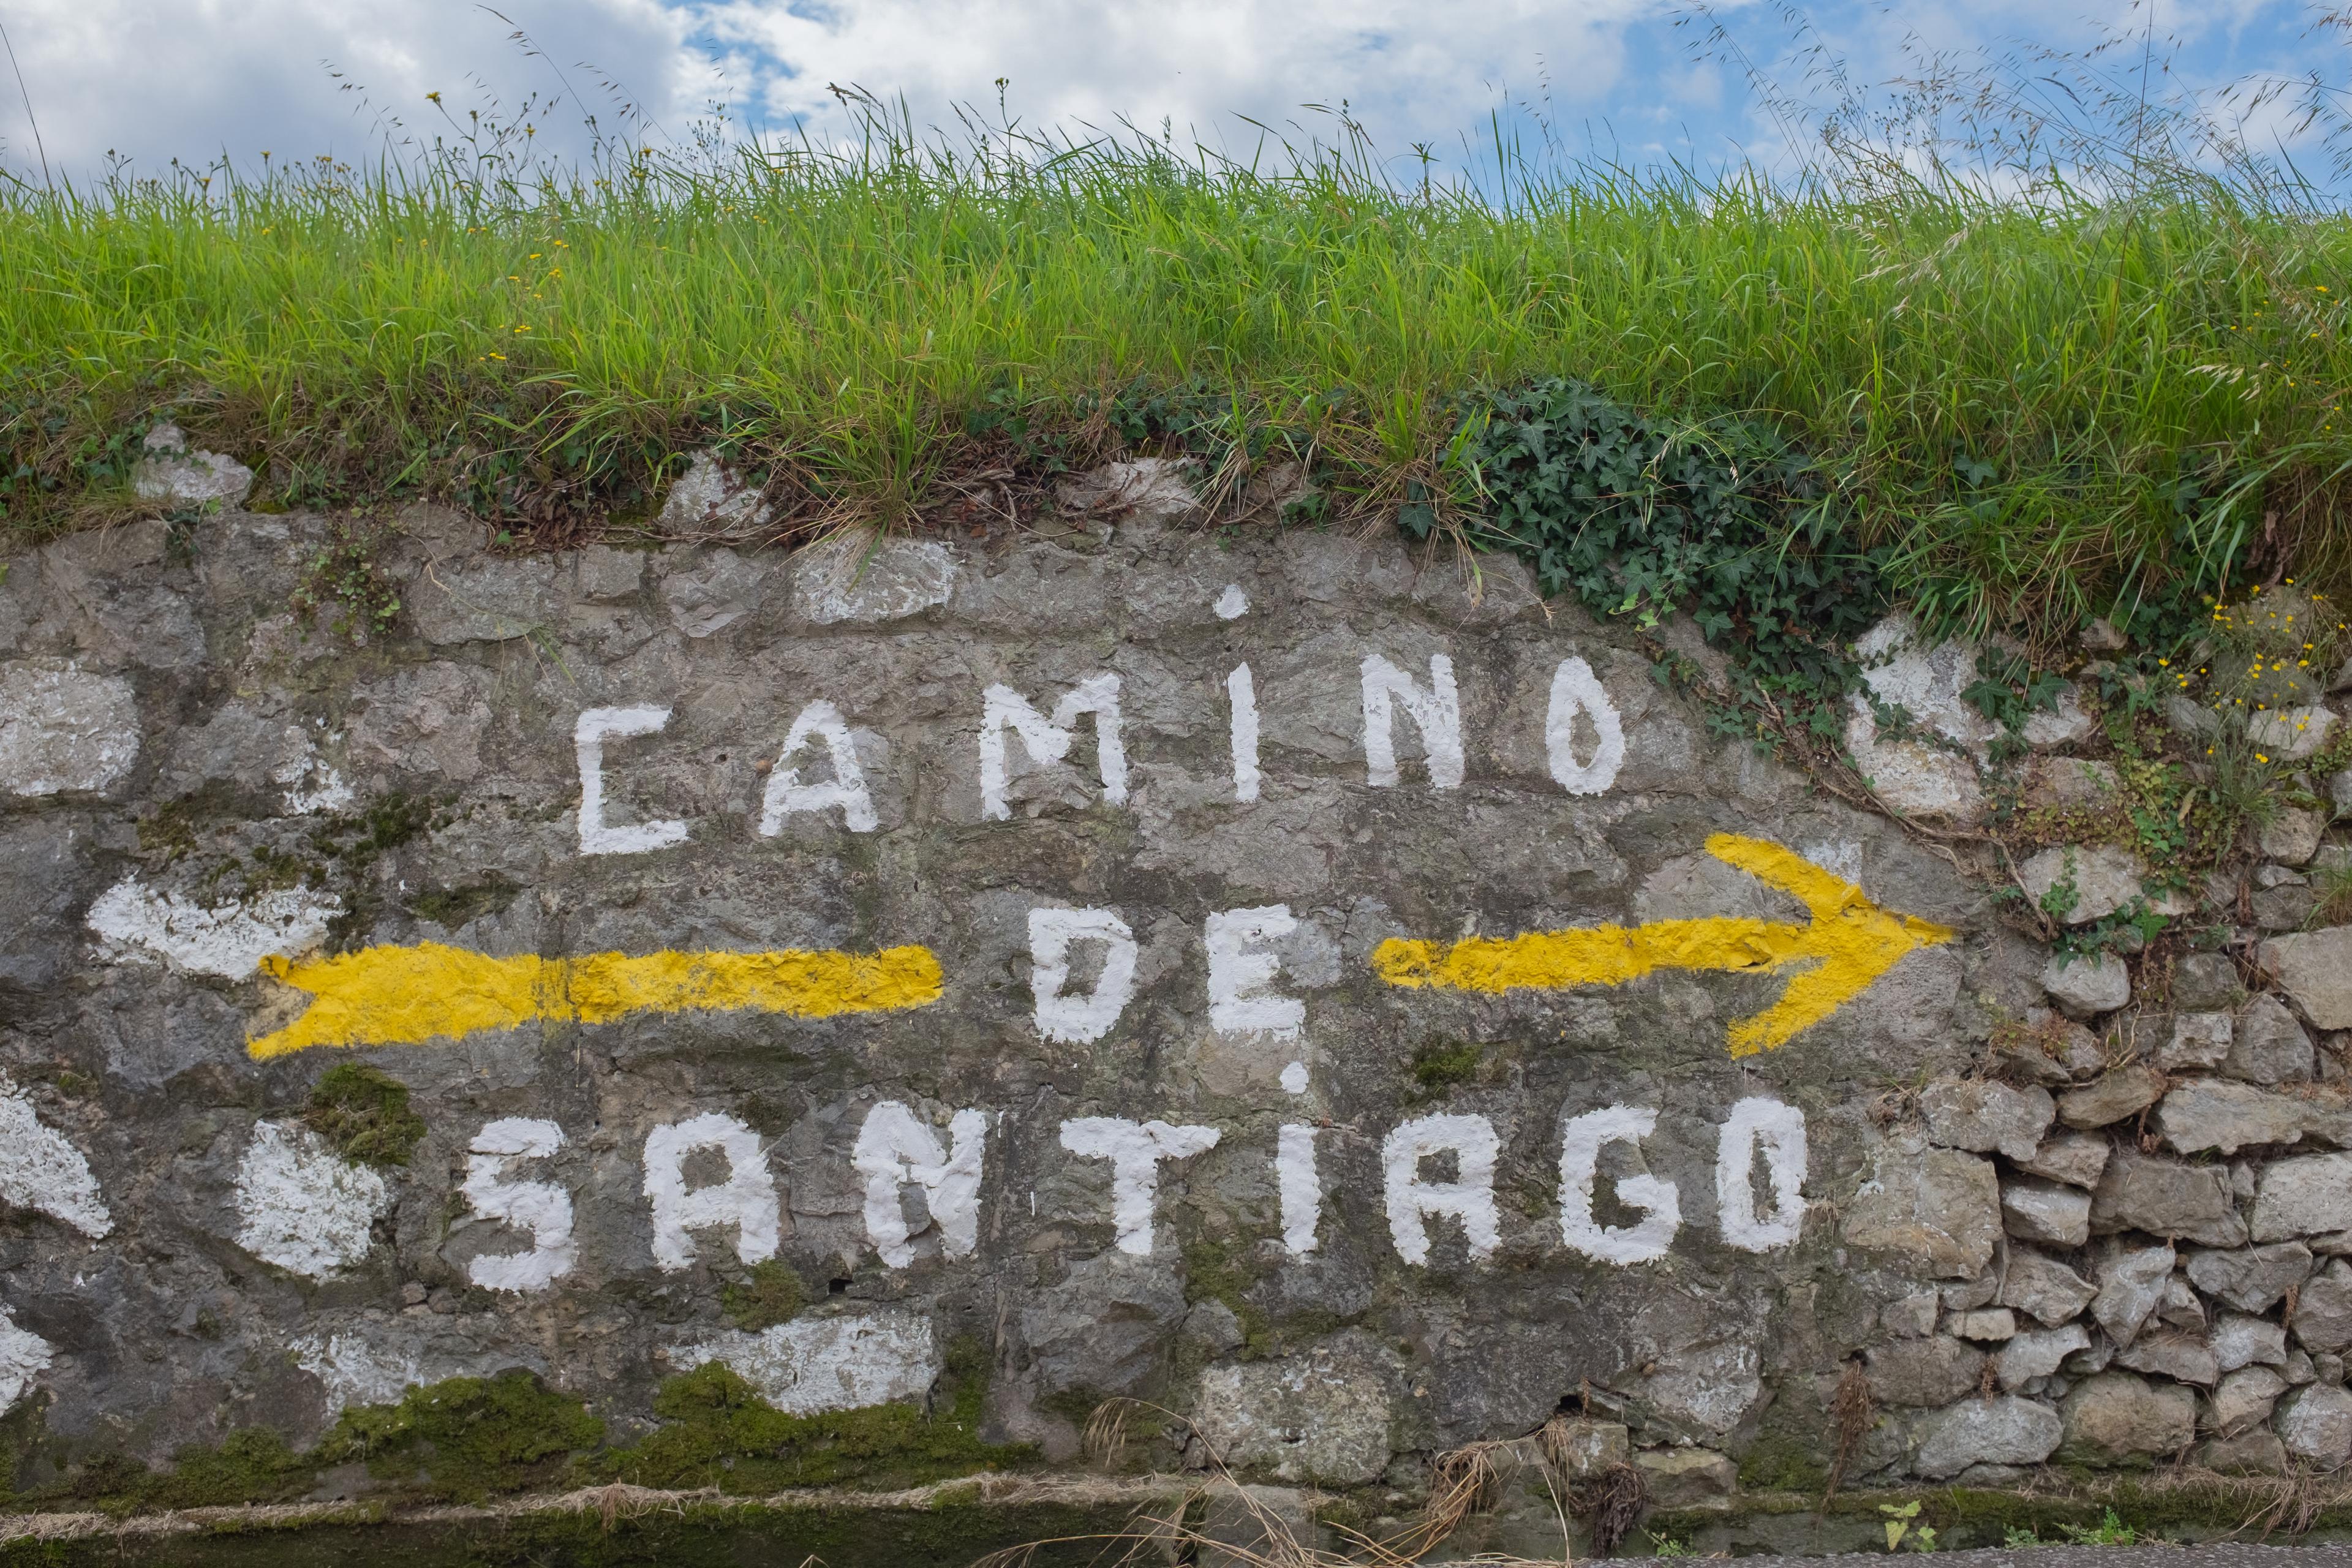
(1438, 1068)
(773, 1295)
(467, 1438)
(1777, 1461)
(719, 1431)
(364, 1114)
(453, 907)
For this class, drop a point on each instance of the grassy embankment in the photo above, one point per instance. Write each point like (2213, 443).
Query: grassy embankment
(2019, 409)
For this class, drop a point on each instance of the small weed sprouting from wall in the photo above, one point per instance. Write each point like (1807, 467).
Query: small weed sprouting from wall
(343, 578)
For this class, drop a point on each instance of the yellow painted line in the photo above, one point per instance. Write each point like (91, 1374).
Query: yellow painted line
(1845, 946)
(408, 995)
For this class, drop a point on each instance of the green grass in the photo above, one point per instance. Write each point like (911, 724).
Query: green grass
(2027, 405)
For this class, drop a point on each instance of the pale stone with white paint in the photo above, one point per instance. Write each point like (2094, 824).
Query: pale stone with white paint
(1242, 972)
(23, 1357)
(854, 578)
(1413, 1199)
(710, 497)
(1914, 778)
(302, 1206)
(895, 1151)
(39, 1170)
(812, 1365)
(1048, 739)
(1903, 671)
(2079, 883)
(63, 731)
(1134, 1151)
(1760, 1125)
(229, 939)
(1435, 710)
(169, 470)
(1080, 1018)
(1581, 1139)
(539, 1209)
(1577, 694)
(594, 727)
(843, 791)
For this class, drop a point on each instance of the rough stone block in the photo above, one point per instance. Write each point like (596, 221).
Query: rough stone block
(1939, 1209)
(2117, 1416)
(2003, 1431)
(2126, 1092)
(1985, 1117)
(2164, 1197)
(2308, 1195)
(2046, 1212)
(2085, 986)
(2074, 1158)
(2314, 968)
(2251, 1279)
(2269, 1044)
(2044, 1286)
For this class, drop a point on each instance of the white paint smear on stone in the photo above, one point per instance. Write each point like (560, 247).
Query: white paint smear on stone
(228, 939)
(1293, 1079)
(541, 1209)
(1240, 970)
(1413, 1199)
(1576, 689)
(813, 1364)
(1242, 693)
(1049, 740)
(1302, 1193)
(62, 729)
(1232, 604)
(1581, 1139)
(24, 1355)
(745, 1203)
(355, 1371)
(1134, 1151)
(39, 1170)
(303, 1206)
(312, 785)
(1081, 1019)
(596, 726)
(1779, 1130)
(896, 1150)
(1436, 712)
(820, 721)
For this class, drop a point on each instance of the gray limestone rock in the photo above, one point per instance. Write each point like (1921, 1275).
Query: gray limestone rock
(2198, 1040)
(709, 497)
(2174, 1355)
(2164, 1197)
(1107, 1326)
(1986, 1117)
(1142, 490)
(2126, 1092)
(2213, 1113)
(2255, 1453)
(2046, 1212)
(2206, 982)
(1984, 1325)
(1937, 1207)
(2308, 1195)
(2243, 1400)
(2039, 1353)
(718, 590)
(2063, 781)
(2044, 1286)
(2241, 1339)
(63, 731)
(2182, 1308)
(1924, 1372)
(2323, 1310)
(2084, 986)
(482, 599)
(2314, 968)
(2316, 1425)
(2292, 834)
(2079, 883)
(1320, 1414)
(2003, 1431)
(2118, 1417)
(2076, 1159)
(1914, 778)
(1682, 1477)
(1912, 1317)
(2251, 1279)
(2132, 1281)
(2269, 1044)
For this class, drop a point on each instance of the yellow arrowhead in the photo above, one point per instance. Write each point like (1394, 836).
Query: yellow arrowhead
(406, 996)
(1848, 944)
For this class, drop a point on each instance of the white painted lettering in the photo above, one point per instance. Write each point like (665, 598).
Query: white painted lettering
(745, 1201)
(1781, 1130)
(1469, 1197)
(542, 1208)
(896, 1150)
(1581, 1139)
(1049, 740)
(1436, 713)
(1134, 1151)
(1078, 1020)
(596, 726)
(786, 793)
(1243, 694)
(1302, 1193)
(1576, 689)
(1240, 972)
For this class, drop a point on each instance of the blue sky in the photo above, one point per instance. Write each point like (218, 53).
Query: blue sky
(201, 78)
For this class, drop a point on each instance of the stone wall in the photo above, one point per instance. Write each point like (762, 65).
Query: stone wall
(1261, 974)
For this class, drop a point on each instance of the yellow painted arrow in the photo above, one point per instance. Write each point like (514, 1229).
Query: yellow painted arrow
(1848, 944)
(406, 996)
